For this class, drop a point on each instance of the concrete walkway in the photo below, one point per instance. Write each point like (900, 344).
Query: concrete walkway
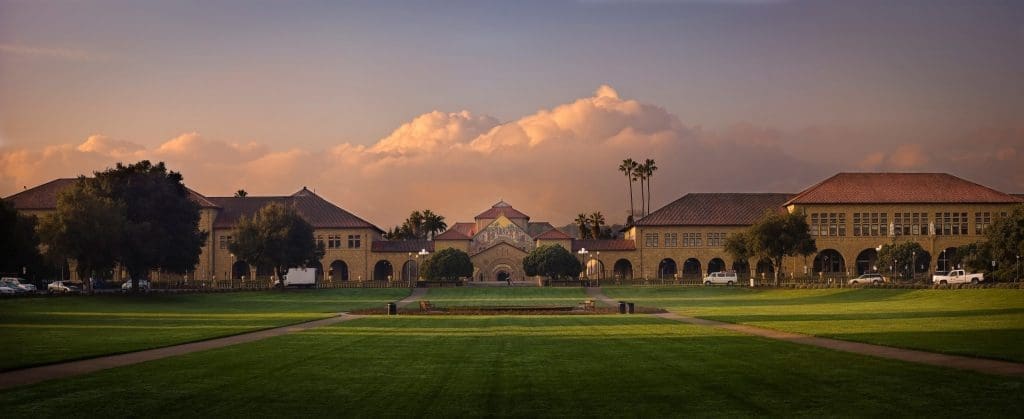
(69, 369)
(416, 295)
(987, 366)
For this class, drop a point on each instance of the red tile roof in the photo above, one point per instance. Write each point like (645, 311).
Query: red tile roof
(501, 208)
(467, 229)
(721, 209)
(552, 234)
(602, 245)
(452, 234)
(44, 197)
(402, 246)
(317, 211)
(898, 188)
(538, 228)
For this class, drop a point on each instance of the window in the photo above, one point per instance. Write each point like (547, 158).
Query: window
(716, 239)
(354, 241)
(829, 224)
(692, 239)
(951, 223)
(814, 224)
(856, 224)
(870, 224)
(334, 241)
(651, 240)
(671, 239)
(225, 241)
(981, 222)
(319, 241)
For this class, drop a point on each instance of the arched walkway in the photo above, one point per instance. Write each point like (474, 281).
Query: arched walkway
(922, 260)
(946, 258)
(691, 267)
(716, 265)
(741, 267)
(765, 267)
(867, 261)
(667, 269)
(595, 269)
(239, 269)
(623, 269)
(383, 271)
(829, 261)
(410, 270)
(339, 271)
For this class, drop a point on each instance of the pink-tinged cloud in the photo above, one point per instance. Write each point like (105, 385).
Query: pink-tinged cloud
(551, 164)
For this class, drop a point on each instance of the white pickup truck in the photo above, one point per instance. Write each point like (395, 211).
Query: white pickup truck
(300, 277)
(957, 277)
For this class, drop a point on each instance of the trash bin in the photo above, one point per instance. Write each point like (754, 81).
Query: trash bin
(622, 307)
(392, 309)
(630, 308)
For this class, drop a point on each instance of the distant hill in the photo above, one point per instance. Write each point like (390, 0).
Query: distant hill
(574, 231)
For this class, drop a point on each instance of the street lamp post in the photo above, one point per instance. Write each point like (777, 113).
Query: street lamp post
(913, 264)
(422, 253)
(583, 261)
(942, 258)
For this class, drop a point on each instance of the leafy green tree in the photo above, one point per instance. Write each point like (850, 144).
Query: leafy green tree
(899, 259)
(627, 167)
(581, 225)
(1003, 244)
(551, 261)
(87, 227)
(161, 228)
(737, 246)
(276, 238)
(775, 236)
(975, 257)
(448, 264)
(19, 243)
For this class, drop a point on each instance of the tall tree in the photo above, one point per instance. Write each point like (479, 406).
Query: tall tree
(626, 168)
(641, 176)
(581, 224)
(87, 227)
(19, 243)
(596, 222)
(448, 264)
(900, 258)
(162, 222)
(649, 167)
(415, 224)
(433, 224)
(276, 238)
(1003, 244)
(552, 261)
(241, 193)
(777, 235)
(737, 245)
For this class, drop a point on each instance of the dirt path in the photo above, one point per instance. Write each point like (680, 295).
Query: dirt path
(416, 295)
(987, 366)
(69, 369)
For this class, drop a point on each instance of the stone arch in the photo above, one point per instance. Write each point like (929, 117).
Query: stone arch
(239, 269)
(692, 267)
(383, 270)
(741, 267)
(764, 266)
(867, 261)
(595, 269)
(491, 270)
(946, 258)
(339, 271)
(922, 261)
(829, 261)
(410, 270)
(716, 265)
(667, 269)
(319, 270)
(623, 269)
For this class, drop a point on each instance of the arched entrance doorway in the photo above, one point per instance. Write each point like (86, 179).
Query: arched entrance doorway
(595, 269)
(716, 265)
(741, 267)
(623, 269)
(239, 269)
(867, 261)
(765, 268)
(691, 268)
(829, 261)
(410, 270)
(922, 261)
(339, 271)
(319, 270)
(383, 271)
(503, 275)
(667, 269)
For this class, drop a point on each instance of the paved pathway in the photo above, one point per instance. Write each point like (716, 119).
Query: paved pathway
(416, 295)
(988, 366)
(69, 369)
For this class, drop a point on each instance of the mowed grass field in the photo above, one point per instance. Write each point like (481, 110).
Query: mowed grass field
(505, 296)
(976, 322)
(37, 331)
(520, 366)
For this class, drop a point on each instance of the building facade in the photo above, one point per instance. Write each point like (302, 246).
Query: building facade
(851, 215)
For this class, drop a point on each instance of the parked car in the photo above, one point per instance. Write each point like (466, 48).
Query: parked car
(958, 276)
(143, 285)
(868, 279)
(6, 290)
(721, 278)
(62, 287)
(18, 285)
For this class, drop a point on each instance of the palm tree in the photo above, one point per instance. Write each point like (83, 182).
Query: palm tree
(596, 221)
(641, 175)
(433, 223)
(241, 193)
(414, 225)
(581, 224)
(627, 167)
(649, 168)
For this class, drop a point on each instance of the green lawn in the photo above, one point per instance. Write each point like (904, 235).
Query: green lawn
(976, 322)
(503, 296)
(594, 366)
(45, 330)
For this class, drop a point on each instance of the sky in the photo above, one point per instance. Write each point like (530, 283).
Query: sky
(383, 107)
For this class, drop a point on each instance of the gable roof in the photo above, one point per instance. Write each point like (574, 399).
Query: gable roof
(898, 188)
(452, 234)
(317, 211)
(499, 209)
(538, 228)
(402, 246)
(467, 229)
(721, 209)
(553, 234)
(602, 244)
(44, 197)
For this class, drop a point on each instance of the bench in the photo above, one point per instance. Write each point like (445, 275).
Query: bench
(587, 305)
(425, 305)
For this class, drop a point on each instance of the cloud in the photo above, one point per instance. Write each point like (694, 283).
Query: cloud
(551, 164)
(29, 51)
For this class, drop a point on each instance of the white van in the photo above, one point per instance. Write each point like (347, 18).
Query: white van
(721, 278)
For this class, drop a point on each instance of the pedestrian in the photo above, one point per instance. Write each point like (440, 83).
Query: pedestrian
(508, 279)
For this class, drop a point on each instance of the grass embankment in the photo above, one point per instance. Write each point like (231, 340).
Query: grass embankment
(37, 331)
(976, 322)
(594, 366)
(505, 296)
